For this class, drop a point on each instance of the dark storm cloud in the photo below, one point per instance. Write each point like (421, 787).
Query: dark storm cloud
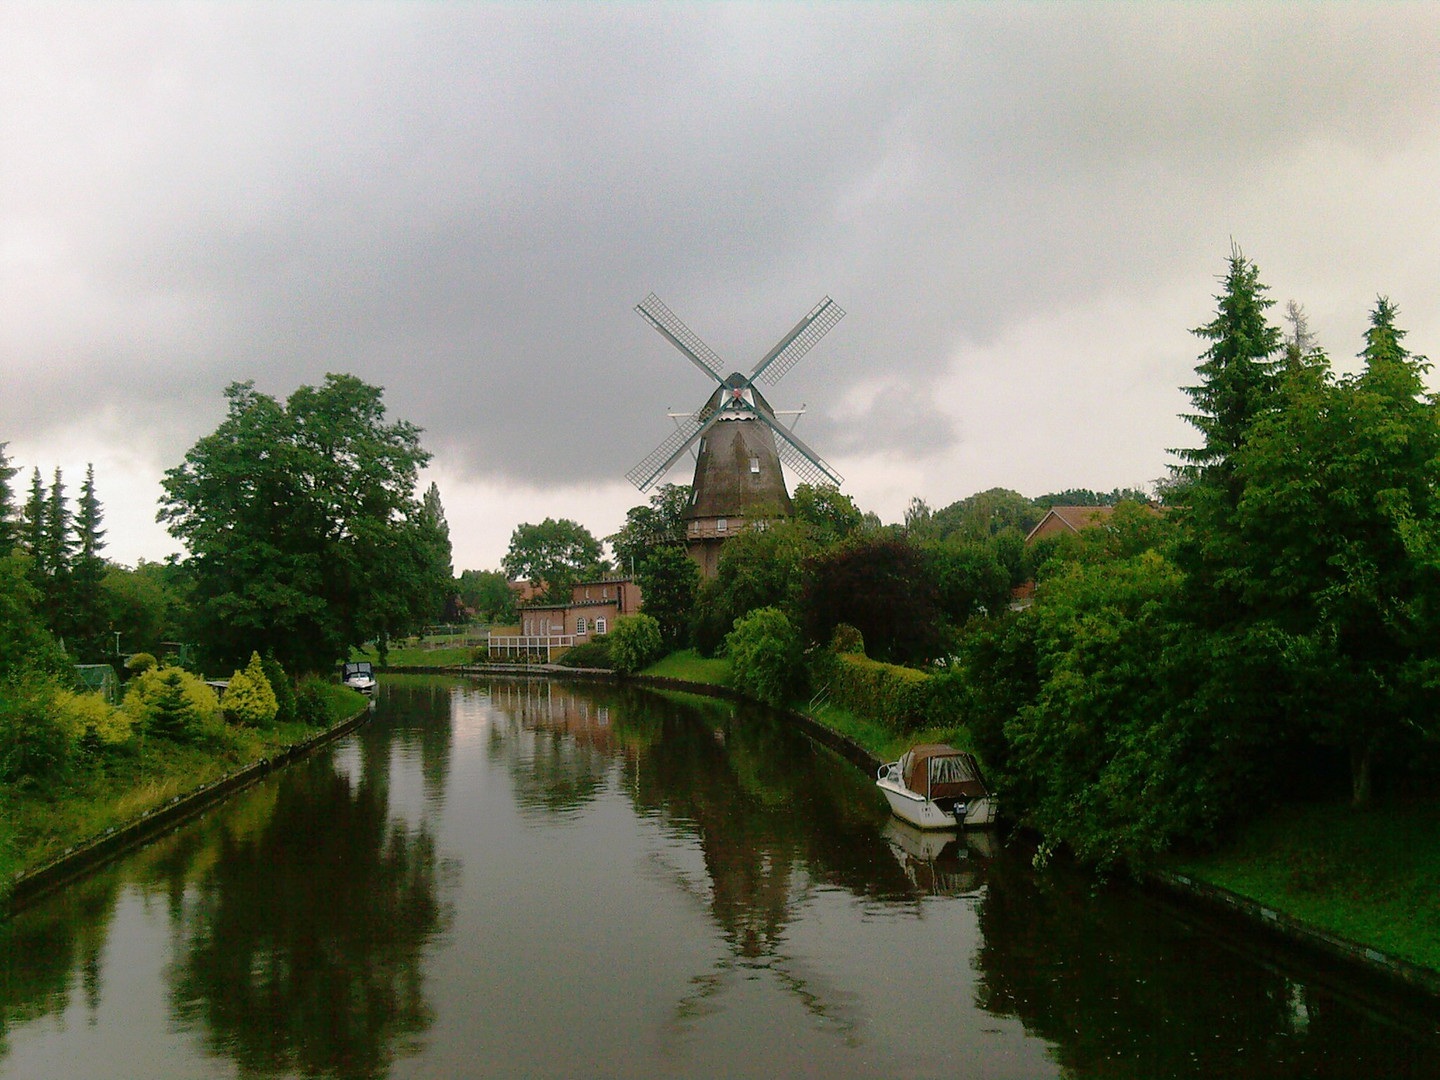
(464, 203)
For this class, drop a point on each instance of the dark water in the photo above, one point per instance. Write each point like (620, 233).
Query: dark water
(512, 879)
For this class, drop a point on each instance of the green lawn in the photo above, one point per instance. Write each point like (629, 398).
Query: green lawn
(689, 665)
(1371, 876)
(421, 656)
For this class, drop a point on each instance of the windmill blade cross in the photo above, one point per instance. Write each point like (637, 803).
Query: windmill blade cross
(657, 463)
(799, 458)
(654, 311)
(789, 349)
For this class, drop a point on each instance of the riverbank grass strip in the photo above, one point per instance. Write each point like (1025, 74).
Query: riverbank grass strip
(689, 665)
(411, 657)
(1370, 876)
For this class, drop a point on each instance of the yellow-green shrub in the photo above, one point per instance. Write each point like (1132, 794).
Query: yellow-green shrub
(77, 712)
(148, 696)
(249, 698)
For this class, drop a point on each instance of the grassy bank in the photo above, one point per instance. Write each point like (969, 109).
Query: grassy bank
(436, 656)
(39, 821)
(689, 665)
(1371, 876)
(880, 739)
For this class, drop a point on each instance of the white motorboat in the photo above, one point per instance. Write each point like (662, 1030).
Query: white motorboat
(359, 675)
(934, 786)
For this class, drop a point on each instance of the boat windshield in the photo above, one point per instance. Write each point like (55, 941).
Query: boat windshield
(951, 770)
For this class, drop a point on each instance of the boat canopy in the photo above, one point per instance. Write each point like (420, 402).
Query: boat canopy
(938, 771)
(357, 667)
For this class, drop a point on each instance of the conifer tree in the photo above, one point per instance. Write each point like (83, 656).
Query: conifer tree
(86, 604)
(1239, 384)
(9, 525)
(33, 528)
(1238, 375)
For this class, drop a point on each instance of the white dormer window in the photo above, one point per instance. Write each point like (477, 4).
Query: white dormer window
(754, 463)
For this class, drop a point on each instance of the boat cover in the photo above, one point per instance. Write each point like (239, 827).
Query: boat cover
(938, 771)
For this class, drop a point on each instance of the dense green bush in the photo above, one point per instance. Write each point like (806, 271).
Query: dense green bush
(283, 689)
(765, 656)
(249, 698)
(310, 704)
(140, 663)
(635, 642)
(847, 640)
(33, 743)
(590, 654)
(79, 712)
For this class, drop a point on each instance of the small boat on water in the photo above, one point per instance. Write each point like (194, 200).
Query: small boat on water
(359, 675)
(934, 786)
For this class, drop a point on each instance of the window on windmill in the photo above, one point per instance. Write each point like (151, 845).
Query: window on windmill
(754, 463)
(580, 626)
(722, 525)
(599, 626)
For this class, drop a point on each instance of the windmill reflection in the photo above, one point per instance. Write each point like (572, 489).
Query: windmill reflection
(771, 823)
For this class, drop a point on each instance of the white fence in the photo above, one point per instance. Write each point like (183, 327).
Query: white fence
(518, 645)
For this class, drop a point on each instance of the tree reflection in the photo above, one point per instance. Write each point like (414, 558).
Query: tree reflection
(42, 948)
(1124, 989)
(303, 944)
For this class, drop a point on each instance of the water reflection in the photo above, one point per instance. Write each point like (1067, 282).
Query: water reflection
(300, 950)
(525, 878)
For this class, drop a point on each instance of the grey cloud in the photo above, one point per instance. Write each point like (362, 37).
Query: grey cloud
(464, 203)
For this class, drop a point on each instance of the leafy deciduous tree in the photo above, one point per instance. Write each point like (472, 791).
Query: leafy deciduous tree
(304, 532)
(554, 554)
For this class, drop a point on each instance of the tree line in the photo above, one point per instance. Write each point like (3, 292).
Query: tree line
(305, 537)
(1265, 626)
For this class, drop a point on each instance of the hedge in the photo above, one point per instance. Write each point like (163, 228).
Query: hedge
(902, 698)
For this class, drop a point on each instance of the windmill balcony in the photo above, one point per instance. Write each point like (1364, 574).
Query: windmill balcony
(714, 528)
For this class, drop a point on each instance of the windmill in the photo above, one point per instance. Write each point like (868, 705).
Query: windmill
(741, 443)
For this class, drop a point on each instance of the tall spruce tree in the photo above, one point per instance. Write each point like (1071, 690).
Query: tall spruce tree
(1239, 384)
(32, 528)
(1239, 376)
(9, 523)
(89, 624)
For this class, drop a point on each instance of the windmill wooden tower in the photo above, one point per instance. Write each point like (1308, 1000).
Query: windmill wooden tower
(741, 443)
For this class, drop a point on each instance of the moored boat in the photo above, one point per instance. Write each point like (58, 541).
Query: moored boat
(934, 786)
(359, 675)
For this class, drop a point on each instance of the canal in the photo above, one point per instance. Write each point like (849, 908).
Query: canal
(541, 879)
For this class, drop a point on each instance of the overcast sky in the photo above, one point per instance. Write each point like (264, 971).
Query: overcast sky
(1024, 209)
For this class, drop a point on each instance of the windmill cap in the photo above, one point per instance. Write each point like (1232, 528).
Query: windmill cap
(737, 379)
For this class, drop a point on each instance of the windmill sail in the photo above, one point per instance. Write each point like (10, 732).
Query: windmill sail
(803, 462)
(654, 311)
(789, 349)
(657, 463)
